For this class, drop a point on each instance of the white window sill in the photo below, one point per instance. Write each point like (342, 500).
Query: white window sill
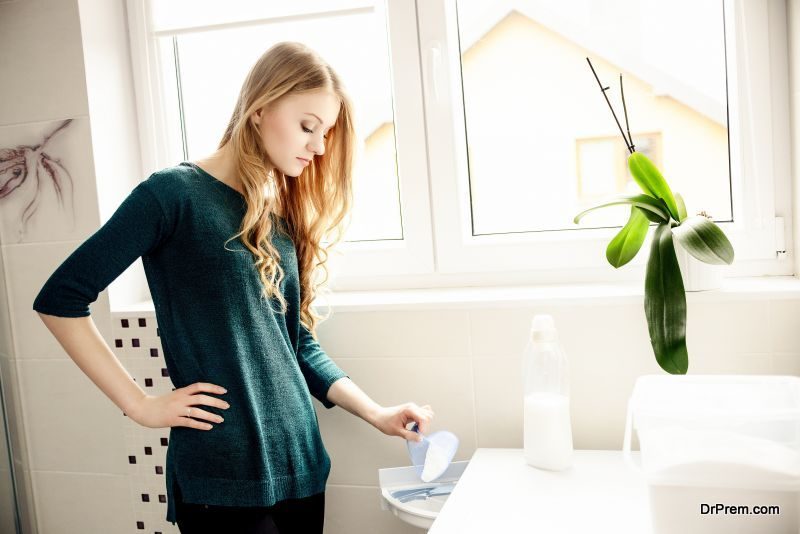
(733, 289)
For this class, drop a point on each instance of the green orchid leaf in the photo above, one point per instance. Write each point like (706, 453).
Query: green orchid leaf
(652, 217)
(650, 180)
(681, 207)
(704, 240)
(640, 201)
(665, 304)
(628, 241)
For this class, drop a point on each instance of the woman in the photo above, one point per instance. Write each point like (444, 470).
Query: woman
(232, 246)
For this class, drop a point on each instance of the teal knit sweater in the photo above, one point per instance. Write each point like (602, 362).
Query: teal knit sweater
(216, 327)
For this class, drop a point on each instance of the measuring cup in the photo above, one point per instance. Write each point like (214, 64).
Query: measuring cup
(446, 443)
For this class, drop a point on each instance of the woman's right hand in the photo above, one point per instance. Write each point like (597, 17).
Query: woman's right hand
(178, 408)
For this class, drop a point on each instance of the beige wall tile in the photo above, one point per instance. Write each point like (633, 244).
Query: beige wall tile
(600, 387)
(596, 336)
(16, 422)
(357, 510)
(727, 327)
(8, 510)
(498, 402)
(501, 332)
(72, 425)
(783, 327)
(25, 498)
(786, 363)
(65, 206)
(428, 333)
(6, 336)
(48, 80)
(87, 503)
(28, 268)
(731, 363)
(504, 332)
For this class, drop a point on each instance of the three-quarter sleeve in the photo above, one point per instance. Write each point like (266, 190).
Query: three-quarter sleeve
(136, 228)
(317, 367)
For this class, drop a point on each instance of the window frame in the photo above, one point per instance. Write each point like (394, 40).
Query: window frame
(438, 248)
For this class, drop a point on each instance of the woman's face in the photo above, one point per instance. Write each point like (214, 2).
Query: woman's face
(294, 130)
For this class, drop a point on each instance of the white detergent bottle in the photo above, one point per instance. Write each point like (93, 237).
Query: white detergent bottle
(547, 437)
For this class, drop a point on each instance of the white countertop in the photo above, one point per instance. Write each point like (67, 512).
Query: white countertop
(499, 492)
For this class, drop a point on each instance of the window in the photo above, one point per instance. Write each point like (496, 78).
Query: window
(511, 106)
(482, 129)
(184, 109)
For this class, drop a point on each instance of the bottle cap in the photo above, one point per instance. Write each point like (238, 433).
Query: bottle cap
(543, 328)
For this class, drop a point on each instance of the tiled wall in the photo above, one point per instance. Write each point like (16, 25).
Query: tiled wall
(137, 345)
(66, 437)
(44, 83)
(466, 363)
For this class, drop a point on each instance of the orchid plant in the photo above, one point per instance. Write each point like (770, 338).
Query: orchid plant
(664, 295)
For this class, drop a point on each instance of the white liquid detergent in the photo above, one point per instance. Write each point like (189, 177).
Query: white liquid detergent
(437, 458)
(548, 433)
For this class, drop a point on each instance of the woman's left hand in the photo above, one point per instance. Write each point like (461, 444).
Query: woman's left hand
(392, 420)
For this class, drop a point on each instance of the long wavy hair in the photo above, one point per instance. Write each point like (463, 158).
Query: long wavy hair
(316, 202)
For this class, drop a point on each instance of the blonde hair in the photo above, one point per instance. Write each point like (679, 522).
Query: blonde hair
(316, 202)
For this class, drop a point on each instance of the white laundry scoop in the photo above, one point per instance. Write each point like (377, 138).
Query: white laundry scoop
(432, 456)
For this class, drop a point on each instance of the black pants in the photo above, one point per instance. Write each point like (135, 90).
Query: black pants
(292, 516)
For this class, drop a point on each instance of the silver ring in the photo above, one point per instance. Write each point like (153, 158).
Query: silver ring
(188, 412)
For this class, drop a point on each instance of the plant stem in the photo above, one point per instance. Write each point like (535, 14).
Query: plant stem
(604, 89)
(631, 146)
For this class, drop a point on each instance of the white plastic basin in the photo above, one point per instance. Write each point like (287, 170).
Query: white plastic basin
(419, 513)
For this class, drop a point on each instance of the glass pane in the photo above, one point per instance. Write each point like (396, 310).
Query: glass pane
(542, 142)
(212, 64)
